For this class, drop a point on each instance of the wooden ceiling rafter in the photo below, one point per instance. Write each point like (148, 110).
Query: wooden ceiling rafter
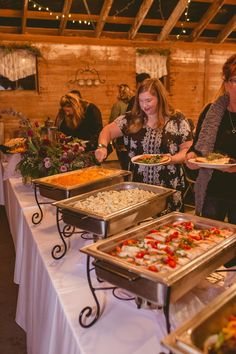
(228, 29)
(207, 17)
(172, 20)
(42, 22)
(64, 16)
(24, 16)
(103, 17)
(144, 8)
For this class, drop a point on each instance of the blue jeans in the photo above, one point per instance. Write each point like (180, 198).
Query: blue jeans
(218, 209)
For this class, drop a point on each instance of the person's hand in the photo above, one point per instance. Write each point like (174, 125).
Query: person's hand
(229, 169)
(192, 166)
(101, 154)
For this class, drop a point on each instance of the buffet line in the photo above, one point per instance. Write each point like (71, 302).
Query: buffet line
(156, 258)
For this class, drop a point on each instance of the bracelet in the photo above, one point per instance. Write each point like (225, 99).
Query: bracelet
(100, 146)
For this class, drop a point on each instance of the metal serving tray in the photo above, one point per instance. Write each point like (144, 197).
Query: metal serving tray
(162, 287)
(190, 337)
(48, 188)
(120, 220)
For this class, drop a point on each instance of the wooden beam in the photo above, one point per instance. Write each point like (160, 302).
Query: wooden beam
(103, 16)
(64, 16)
(207, 17)
(146, 4)
(227, 2)
(108, 35)
(110, 19)
(24, 16)
(83, 40)
(229, 28)
(171, 22)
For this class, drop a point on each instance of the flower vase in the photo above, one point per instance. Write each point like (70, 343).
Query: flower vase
(26, 180)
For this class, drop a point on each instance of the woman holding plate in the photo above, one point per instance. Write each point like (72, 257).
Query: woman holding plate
(152, 127)
(215, 189)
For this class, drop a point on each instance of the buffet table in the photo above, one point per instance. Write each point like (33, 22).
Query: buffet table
(52, 293)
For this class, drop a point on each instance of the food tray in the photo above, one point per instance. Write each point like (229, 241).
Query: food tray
(48, 188)
(120, 220)
(159, 287)
(190, 337)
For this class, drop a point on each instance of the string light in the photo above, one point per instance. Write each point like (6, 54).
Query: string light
(39, 7)
(186, 19)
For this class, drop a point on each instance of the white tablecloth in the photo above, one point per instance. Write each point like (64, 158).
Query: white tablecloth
(53, 292)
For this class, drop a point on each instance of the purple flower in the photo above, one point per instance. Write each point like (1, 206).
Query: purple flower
(47, 162)
(63, 168)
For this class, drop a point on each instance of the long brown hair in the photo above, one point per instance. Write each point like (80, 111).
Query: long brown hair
(137, 119)
(78, 106)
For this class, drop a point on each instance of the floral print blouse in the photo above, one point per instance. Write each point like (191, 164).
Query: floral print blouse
(159, 141)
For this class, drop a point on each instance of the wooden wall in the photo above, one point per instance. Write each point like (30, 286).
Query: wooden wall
(194, 78)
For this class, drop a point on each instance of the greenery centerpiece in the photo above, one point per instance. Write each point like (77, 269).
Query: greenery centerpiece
(44, 156)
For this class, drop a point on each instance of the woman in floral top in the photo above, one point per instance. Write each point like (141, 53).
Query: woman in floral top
(152, 127)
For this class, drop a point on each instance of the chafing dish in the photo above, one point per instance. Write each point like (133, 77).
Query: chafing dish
(104, 226)
(49, 189)
(190, 337)
(161, 288)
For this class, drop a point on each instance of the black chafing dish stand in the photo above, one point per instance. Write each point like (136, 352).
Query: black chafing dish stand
(37, 217)
(65, 232)
(88, 311)
(170, 288)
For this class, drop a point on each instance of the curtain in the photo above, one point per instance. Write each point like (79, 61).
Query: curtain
(17, 64)
(153, 64)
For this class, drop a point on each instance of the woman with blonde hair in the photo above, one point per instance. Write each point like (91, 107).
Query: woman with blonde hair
(79, 118)
(152, 127)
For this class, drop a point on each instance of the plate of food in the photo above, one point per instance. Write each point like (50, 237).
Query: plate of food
(214, 160)
(15, 145)
(151, 159)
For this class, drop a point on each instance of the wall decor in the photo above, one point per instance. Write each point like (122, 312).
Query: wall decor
(86, 77)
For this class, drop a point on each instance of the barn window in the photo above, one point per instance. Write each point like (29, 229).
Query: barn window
(18, 70)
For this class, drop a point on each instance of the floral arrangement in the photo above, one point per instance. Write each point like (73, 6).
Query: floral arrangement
(44, 156)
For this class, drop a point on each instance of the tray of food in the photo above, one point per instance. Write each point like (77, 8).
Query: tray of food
(69, 184)
(212, 331)
(111, 209)
(165, 258)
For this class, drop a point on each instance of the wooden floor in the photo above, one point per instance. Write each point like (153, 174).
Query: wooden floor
(12, 337)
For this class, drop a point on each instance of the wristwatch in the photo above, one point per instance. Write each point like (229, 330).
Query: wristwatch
(100, 146)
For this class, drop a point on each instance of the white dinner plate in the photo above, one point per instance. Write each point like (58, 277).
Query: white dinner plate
(137, 157)
(216, 166)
